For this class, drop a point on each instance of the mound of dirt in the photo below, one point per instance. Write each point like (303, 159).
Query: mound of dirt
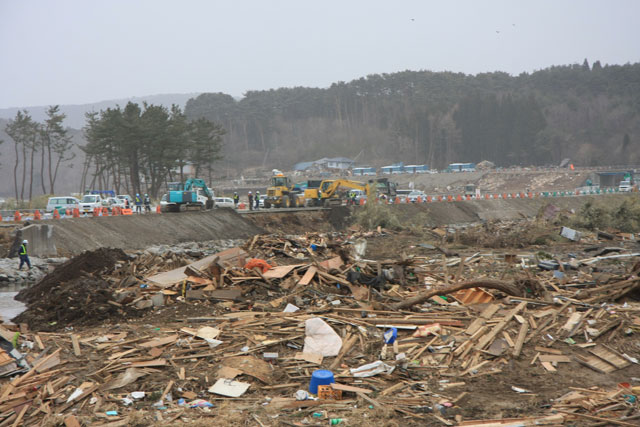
(87, 263)
(80, 301)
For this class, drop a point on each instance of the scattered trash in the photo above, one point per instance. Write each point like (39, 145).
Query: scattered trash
(229, 388)
(372, 369)
(320, 338)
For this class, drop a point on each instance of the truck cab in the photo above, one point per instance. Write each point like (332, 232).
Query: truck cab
(89, 202)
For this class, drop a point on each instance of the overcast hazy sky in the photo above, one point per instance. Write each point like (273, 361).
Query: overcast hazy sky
(80, 51)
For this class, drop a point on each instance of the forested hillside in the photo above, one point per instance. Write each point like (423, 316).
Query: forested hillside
(588, 113)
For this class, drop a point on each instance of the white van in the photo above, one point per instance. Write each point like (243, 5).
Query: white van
(61, 202)
(89, 202)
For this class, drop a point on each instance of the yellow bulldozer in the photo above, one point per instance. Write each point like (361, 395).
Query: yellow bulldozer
(281, 193)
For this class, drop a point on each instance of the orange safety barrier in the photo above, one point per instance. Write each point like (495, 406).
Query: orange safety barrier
(468, 197)
(76, 213)
(127, 212)
(439, 198)
(522, 195)
(530, 195)
(429, 199)
(105, 211)
(158, 209)
(362, 202)
(397, 201)
(449, 198)
(36, 214)
(67, 212)
(115, 211)
(56, 214)
(0, 218)
(513, 195)
(459, 198)
(504, 196)
(419, 199)
(487, 196)
(17, 216)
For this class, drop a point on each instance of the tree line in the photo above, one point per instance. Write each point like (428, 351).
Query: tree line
(40, 150)
(139, 149)
(588, 113)
(135, 149)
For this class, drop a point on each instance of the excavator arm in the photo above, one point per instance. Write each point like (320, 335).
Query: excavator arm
(329, 190)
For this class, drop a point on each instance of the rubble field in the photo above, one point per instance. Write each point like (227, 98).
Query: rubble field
(500, 323)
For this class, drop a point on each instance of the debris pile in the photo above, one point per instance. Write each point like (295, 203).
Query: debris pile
(303, 330)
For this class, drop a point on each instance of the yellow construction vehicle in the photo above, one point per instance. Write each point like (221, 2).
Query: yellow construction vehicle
(329, 192)
(281, 193)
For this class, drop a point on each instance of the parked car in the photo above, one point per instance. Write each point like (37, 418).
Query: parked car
(89, 202)
(625, 185)
(61, 203)
(112, 202)
(224, 202)
(413, 196)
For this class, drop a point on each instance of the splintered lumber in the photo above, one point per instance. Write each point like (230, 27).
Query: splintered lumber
(308, 275)
(486, 339)
(522, 334)
(76, 345)
(507, 288)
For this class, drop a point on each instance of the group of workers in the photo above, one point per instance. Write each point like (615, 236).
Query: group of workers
(253, 200)
(138, 202)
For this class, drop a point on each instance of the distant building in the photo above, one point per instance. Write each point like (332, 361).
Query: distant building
(364, 171)
(303, 166)
(416, 169)
(461, 167)
(396, 168)
(341, 163)
(325, 164)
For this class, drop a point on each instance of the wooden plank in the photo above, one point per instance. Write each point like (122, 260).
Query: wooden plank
(548, 366)
(279, 272)
(547, 350)
(485, 340)
(345, 387)
(554, 358)
(76, 345)
(160, 341)
(609, 357)
(596, 364)
(39, 342)
(149, 363)
(522, 334)
(18, 420)
(308, 276)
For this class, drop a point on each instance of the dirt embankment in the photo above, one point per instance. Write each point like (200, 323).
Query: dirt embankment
(73, 236)
(300, 222)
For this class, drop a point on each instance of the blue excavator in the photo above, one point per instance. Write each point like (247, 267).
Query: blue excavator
(192, 195)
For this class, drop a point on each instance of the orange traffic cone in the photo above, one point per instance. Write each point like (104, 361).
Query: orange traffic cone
(158, 210)
(56, 214)
(36, 214)
(76, 213)
(0, 218)
(362, 202)
(17, 216)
